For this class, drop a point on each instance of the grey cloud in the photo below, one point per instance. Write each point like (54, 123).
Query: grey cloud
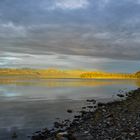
(105, 29)
(9, 30)
(70, 39)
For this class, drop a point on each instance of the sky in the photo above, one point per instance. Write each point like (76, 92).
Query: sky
(70, 34)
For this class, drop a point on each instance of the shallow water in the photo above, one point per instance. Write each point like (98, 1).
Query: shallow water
(29, 105)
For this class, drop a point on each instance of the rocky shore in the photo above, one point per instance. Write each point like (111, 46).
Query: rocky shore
(117, 120)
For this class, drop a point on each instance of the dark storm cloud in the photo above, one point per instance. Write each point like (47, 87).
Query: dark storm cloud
(95, 28)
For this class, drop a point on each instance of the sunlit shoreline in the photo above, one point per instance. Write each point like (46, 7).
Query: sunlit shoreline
(65, 74)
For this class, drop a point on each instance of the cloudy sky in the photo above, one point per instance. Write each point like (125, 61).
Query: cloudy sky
(70, 34)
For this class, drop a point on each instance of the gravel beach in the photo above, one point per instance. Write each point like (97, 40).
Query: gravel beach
(117, 120)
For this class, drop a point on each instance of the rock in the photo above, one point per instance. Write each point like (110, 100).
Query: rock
(65, 136)
(132, 134)
(77, 116)
(88, 100)
(57, 125)
(69, 111)
(101, 104)
(91, 101)
(14, 135)
(61, 136)
(57, 118)
(109, 116)
(90, 106)
(103, 110)
(86, 132)
(71, 136)
(37, 131)
(83, 112)
(67, 120)
(120, 95)
(84, 107)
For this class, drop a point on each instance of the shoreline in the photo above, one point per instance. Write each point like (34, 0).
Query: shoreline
(117, 120)
(24, 77)
(69, 73)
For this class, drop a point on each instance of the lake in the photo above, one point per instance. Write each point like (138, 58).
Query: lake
(32, 104)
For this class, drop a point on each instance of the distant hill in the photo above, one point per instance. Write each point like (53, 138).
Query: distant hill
(138, 74)
(56, 73)
(107, 75)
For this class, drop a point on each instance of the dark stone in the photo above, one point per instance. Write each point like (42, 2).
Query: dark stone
(101, 104)
(84, 107)
(57, 125)
(69, 111)
(90, 106)
(120, 95)
(14, 135)
(77, 116)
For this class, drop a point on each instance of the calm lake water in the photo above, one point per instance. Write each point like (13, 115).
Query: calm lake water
(30, 105)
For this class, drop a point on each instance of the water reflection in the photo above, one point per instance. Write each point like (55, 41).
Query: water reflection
(60, 89)
(65, 82)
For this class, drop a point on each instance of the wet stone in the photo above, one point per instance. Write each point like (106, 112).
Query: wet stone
(69, 111)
